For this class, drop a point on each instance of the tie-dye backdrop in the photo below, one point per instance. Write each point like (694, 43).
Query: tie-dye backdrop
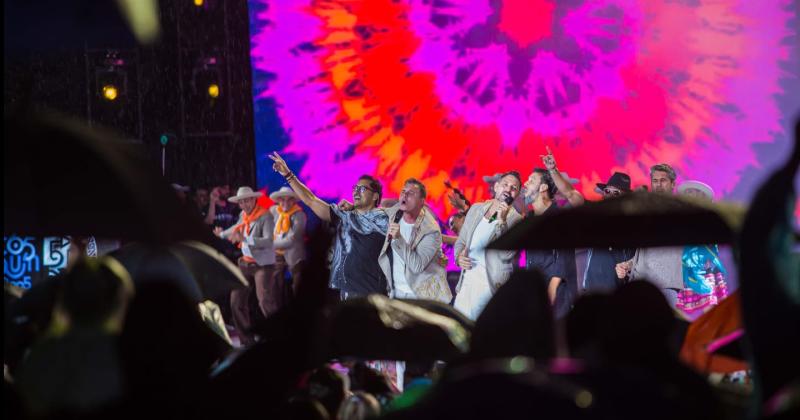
(458, 89)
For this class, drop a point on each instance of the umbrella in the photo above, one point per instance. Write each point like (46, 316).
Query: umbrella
(51, 25)
(380, 328)
(730, 345)
(63, 178)
(199, 270)
(721, 324)
(634, 220)
(443, 309)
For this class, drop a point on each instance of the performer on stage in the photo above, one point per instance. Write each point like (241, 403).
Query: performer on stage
(483, 272)
(360, 233)
(411, 256)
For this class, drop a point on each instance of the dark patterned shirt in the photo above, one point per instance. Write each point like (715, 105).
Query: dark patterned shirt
(358, 242)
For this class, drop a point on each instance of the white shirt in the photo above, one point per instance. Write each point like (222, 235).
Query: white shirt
(401, 287)
(480, 238)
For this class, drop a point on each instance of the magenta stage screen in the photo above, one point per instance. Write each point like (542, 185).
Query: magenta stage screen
(458, 89)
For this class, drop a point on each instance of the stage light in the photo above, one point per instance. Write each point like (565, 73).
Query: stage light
(213, 90)
(198, 3)
(110, 92)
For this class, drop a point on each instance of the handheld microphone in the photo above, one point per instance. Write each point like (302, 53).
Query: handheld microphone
(397, 217)
(508, 199)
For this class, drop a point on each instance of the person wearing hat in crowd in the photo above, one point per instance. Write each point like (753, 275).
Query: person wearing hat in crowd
(290, 229)
(696, 189)
(704, 275)
(253, 233)
(181, 191)
(601, 264)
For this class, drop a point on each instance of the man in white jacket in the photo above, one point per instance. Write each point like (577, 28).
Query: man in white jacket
(411, 256)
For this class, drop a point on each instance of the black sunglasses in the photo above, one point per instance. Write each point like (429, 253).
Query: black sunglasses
(608, 191)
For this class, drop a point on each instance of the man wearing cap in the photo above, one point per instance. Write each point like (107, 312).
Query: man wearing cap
(290, 229)
(601, 263)
(253, 233)
(410, 256)
(360, 234)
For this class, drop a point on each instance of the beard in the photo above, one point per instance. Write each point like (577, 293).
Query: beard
(530, 198)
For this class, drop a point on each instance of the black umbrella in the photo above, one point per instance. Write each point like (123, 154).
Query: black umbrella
(61, 177)
(731, 345)
(631, 221)
(199, 270)
(380, 328)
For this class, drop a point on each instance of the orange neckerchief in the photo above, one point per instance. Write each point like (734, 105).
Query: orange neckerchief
(284, 222)
(247, 219)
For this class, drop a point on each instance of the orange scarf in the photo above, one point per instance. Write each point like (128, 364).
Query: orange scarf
(248, 219)
(284, 222)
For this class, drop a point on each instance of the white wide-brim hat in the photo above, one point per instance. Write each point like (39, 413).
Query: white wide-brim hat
(283, 192)
(702, 186)
(243, 193)
(181, 188)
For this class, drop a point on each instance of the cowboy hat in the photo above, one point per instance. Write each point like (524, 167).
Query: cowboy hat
(618, 180)
(283, 192)
(181, 188)
(700, 186)
(243, 193)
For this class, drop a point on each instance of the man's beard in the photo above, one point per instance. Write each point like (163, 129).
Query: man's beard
(529, 199)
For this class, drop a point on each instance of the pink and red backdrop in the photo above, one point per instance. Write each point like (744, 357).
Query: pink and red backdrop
(458, 89)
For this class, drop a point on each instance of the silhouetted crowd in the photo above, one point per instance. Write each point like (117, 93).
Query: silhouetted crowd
(541, 339)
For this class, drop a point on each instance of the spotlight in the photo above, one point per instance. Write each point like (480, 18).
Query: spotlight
(198, 3)
(213, 90)
(110, 92)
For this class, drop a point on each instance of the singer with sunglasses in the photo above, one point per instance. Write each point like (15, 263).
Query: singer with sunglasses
(601, 263)
(360, 233)
(484, 271)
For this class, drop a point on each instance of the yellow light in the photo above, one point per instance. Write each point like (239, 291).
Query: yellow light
(198, 3)
(110, 92)
(213, 90)
(583, 399)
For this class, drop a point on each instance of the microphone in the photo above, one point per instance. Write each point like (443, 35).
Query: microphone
(397, 217)
(508, 199)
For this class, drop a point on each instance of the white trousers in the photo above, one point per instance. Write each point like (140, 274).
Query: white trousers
(474, 294)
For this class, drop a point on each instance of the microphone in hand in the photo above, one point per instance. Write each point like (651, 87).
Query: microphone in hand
(508, 199)
(397, 217)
